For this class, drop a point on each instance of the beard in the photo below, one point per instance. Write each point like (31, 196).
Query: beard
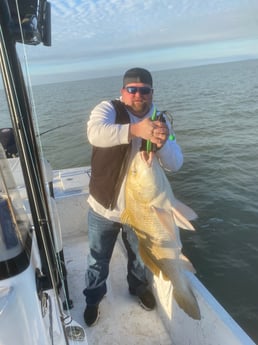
(139, 108)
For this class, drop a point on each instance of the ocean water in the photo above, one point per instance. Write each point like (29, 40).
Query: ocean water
(215, 111)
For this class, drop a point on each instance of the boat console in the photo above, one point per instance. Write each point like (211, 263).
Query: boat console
(29, 21)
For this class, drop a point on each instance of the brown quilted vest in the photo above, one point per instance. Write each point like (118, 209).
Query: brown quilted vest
(109, 165)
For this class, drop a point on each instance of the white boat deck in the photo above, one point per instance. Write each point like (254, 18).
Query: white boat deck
(122, 320)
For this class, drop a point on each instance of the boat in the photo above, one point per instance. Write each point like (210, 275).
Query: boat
(43, 242)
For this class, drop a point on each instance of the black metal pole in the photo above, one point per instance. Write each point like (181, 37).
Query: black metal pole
(20, 112)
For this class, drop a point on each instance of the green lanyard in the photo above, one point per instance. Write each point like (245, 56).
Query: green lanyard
(149, 143)
(153, 118)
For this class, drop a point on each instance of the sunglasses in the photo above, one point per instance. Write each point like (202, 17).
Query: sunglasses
(143, 90)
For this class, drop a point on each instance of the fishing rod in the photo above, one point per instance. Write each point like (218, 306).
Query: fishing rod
(54, 128)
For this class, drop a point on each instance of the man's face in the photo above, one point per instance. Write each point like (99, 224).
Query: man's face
(137, 97)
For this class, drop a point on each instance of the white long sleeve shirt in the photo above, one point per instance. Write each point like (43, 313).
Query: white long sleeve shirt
(102, 131)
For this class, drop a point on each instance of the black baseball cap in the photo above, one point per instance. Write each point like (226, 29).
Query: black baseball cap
(137, 75)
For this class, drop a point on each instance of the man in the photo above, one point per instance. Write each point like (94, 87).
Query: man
(116, 130)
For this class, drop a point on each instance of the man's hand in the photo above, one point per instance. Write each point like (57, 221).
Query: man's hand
(160, 133)
(155, 131)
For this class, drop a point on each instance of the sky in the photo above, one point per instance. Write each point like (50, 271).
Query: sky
(106, 37)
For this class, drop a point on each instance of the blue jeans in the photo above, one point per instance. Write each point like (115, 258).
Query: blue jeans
(102, 234)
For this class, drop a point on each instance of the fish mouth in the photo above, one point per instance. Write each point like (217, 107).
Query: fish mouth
(147, 157)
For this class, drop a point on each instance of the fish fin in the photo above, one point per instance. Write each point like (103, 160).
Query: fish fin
(186, 264)
(188, 302)
(164, 276)
(181, 220)
(185, 210)
(165, 216)
(172, 215)
(148, 261)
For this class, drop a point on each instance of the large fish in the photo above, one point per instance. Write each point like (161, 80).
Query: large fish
(155, 214)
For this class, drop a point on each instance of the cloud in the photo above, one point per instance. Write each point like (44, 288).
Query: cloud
(86, 33)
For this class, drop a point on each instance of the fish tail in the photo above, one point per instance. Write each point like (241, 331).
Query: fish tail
(188, 302)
